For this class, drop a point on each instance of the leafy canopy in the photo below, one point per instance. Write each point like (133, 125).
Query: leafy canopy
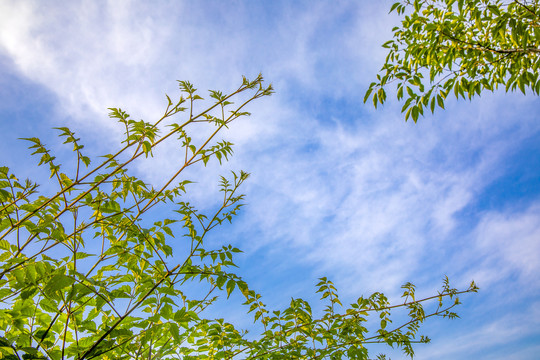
(107, 266)
(462, 47)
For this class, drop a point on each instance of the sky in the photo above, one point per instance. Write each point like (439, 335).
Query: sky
(337, 188)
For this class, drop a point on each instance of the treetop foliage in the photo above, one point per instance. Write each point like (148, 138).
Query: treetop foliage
(87, 272)
(459, 46)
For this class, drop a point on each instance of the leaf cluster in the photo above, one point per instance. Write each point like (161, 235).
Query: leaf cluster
(460, 47)
(88, 271)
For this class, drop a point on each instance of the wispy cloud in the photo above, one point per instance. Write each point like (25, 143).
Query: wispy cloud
(509, 242)
(492, 339)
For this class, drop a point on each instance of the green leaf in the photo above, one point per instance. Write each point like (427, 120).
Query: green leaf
(28, 293)
(368, 92)
(230, 287)
(414, 113)
(175, 331)
(19, 275)
(57, 283)
(440, 101)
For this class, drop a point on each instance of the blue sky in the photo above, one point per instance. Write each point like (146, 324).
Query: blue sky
(338, 188)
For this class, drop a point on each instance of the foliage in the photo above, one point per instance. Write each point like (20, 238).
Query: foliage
(459, 46)
(89, 271)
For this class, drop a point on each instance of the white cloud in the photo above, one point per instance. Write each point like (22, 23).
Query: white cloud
(112, 53)
(372, 198)
(492, 339)
(510, 241)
